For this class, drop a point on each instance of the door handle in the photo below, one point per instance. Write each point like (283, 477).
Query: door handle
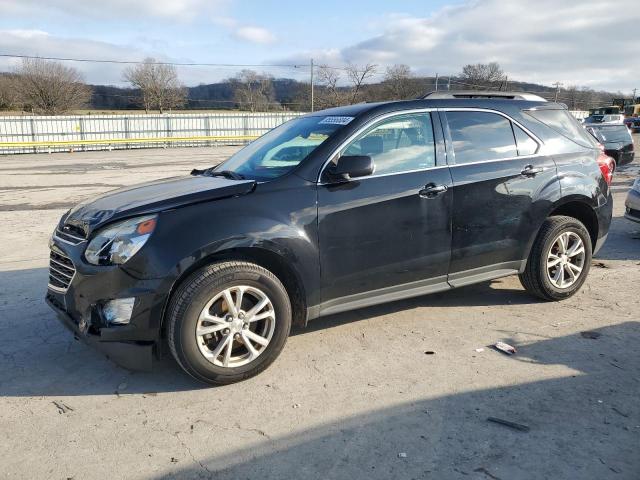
(531, 171)
(432, 190)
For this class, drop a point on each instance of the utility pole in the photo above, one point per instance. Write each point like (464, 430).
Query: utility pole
(557, 85)
(312, 84)
(634, 95)
(436, 82)
(506, 83)
(449, 84)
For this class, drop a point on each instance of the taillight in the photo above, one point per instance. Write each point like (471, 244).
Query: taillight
(607, 165)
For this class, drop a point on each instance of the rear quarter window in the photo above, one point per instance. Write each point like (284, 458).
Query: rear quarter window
(562, 122)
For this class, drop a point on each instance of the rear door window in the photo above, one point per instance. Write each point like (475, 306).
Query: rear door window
(480, 136)
(526, 144)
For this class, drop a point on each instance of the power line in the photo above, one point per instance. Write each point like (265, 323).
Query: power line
(134, 62)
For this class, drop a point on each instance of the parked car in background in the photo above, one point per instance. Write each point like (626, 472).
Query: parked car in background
(616, 139)
(633, 124)
(632, 204)
(332, 211)
(613, 119)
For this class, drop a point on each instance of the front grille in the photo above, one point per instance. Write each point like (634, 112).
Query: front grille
(61, 271)
(70, 234)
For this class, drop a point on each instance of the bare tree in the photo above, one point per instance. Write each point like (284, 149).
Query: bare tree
(9, 96)
(577, 98)
(398, 82)
(50, 88)
(254, 91)
(358, 75)
(329, 94)
(481, 76)
(159, 85)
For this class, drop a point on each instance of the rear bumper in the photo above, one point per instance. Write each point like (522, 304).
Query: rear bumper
(604, 214)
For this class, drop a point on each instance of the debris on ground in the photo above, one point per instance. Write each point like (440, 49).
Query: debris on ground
(505, 348)
(479, 350)
(625, 415)
(590, 334)
(402, 455)
(507, 423)
(429, 352)
(600, 265)
(174, 460)
(62, 407)
(296, 405)
(487, 473)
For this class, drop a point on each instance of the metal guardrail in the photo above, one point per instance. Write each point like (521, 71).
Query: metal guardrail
(33, 134)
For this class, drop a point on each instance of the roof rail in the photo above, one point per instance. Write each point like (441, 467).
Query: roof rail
(483, 94)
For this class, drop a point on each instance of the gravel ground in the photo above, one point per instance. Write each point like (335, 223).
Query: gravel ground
(401, 390)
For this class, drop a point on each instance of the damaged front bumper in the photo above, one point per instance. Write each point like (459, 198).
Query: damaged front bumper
(130, 355)
(78, 292)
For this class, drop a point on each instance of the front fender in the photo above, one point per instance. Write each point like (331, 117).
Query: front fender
(188, 238)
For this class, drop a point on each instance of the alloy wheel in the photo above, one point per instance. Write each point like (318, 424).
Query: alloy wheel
(565, 260)
(235, 326)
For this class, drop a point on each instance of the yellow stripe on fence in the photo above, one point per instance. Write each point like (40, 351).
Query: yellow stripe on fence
(59, 143)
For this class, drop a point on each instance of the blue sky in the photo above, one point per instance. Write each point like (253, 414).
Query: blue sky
(582, 43)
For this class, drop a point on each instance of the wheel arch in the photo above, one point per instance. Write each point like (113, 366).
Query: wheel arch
(578, 207)
(264, 257)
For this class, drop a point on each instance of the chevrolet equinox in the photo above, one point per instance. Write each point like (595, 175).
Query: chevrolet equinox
(332, 211)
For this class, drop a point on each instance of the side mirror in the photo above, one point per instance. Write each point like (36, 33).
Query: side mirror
(352, 166)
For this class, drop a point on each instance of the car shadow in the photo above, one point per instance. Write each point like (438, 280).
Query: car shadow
(480, 295)
(44, 359)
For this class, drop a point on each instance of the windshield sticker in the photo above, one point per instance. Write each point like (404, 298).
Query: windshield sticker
(337, 120)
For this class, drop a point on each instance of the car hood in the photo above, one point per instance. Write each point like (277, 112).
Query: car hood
(152, 197)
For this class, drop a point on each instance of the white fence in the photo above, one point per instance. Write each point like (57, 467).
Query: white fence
(33, 134)
(29, 134)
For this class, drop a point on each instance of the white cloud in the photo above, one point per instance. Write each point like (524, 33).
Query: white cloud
(254, 35)
(584, 43)
(37, 42)
(170, 9)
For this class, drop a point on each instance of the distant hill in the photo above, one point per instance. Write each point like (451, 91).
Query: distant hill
(291, 94)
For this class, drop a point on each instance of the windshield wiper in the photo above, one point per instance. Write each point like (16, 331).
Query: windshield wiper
(210, 172)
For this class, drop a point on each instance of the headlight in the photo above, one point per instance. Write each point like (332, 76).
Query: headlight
(117, 243)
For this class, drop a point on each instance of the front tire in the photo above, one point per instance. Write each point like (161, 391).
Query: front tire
(560, 259)
(228, 321)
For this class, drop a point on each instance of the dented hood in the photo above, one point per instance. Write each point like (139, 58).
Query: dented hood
(152, 197)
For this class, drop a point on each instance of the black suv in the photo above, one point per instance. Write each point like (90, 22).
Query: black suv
(332, 211)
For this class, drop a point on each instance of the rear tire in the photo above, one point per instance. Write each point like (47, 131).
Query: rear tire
(556, 267)
(228, 321)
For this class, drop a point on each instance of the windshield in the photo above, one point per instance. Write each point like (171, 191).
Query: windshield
(283, 148)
